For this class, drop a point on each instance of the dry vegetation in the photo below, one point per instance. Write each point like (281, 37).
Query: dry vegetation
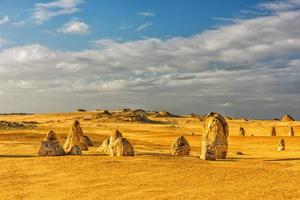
(254, 169)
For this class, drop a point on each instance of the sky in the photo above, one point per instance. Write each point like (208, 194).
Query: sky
(239, 57)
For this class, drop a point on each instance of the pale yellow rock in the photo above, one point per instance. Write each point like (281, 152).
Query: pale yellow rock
(291, 131)
(281, 145)
(121, 147)
(117, 134)
(287, 118)
(214, 137)
(180, 147)
(75, 138)
(104, 148)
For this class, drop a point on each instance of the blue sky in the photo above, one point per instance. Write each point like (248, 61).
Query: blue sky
(119, 19)
(238, 57)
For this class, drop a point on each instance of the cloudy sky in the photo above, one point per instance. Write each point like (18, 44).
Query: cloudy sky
(240, 58)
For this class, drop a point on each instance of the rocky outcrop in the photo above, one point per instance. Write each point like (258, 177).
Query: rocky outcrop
(291, 132)
(50, 146)
(180, 147)
(121, 147)
(287, 118)
(242, 131)
(75, 138)
(87, 141)
(117, 134)
(273, 131)
(214, 137)
(104, 148)
(281, 145)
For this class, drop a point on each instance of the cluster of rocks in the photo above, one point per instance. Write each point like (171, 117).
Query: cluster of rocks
(116, 145)
(16, 125)
(214, 143)
(125, 115)
(74, 145)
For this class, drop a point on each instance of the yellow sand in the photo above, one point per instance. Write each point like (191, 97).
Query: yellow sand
(262, 173)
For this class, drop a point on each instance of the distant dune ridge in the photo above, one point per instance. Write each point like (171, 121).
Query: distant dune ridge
(287, 118)
(214, 138)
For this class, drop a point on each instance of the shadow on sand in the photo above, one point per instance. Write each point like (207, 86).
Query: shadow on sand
(17, 156)
(283, 159)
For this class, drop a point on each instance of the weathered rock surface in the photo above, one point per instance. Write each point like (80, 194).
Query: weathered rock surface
(87, 141)
(180, 147)
(281, 145)
(51, 146)
(75, 150)
(242, 131)
(121, 147)
(75, 138)
(273, 131)
(291, 131)
(214, 137)
(117, 134)
(104, 148)
(287, 118)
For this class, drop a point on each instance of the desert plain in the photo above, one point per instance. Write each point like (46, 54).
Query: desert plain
(261, 172)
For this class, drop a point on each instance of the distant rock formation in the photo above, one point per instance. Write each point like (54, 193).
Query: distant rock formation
(180, 147)
(125, 115)
(281, 145)
(166, 114)
(291, 131)
(273, 131)
(287, 118)
(50, 146)
(242, 131)
(75, 138)
(121, 147)
(214, 137)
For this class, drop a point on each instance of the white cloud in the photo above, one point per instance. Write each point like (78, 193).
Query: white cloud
(4, 20)
(45, 11)
(253, 63)
(146, 14)
(144, 26)
(280, 5)
(102, 43)
(2, 41)
(74, 27)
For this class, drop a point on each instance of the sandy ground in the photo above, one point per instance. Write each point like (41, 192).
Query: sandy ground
(261, 173)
